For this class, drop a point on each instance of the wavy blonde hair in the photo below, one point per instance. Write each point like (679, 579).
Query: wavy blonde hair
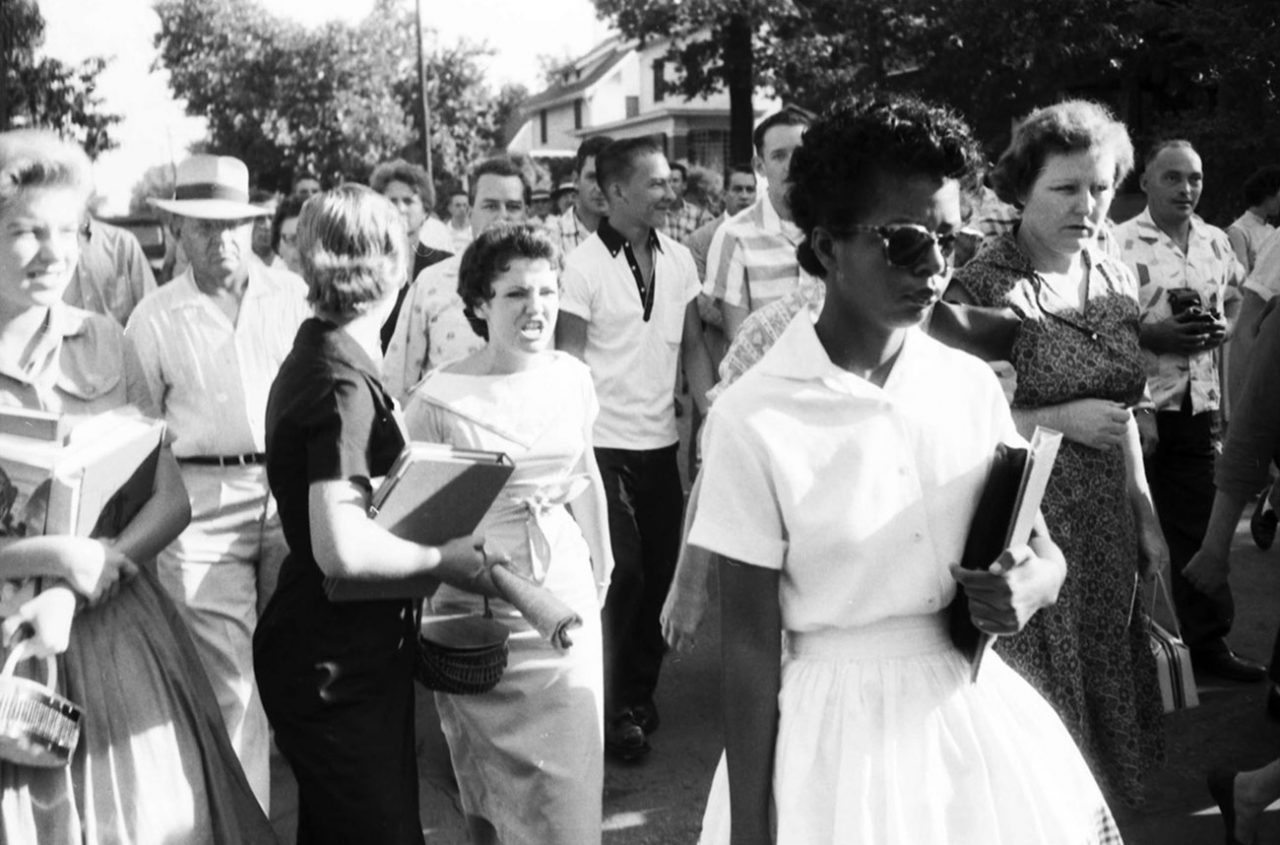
(351, 243)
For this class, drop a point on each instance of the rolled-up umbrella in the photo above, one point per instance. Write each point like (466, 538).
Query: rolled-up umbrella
(551, 617)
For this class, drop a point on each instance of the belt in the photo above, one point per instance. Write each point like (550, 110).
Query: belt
(244, 460)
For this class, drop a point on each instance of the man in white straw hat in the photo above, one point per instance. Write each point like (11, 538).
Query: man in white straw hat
(211, 342)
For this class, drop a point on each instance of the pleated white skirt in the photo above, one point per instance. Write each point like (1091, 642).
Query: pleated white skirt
(883, 740)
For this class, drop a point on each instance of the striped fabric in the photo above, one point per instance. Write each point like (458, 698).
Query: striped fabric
(752, 260)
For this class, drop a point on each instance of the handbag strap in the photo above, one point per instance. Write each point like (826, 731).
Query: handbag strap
(1160, 589)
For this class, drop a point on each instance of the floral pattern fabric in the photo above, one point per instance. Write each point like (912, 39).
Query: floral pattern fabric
(1089, 654)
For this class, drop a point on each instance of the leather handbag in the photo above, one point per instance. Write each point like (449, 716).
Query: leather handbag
(1173, 658)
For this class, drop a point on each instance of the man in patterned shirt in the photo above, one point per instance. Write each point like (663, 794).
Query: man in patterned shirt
(683, 217)
(1188, 279)
(577, 224)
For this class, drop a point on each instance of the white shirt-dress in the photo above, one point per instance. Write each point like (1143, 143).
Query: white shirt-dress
(861, 497)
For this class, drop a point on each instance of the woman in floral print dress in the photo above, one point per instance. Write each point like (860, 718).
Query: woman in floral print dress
(1079, 370)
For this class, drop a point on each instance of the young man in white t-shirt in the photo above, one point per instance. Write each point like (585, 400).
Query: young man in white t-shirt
(628, 309)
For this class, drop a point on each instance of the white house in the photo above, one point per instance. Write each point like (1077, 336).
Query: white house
(619, 89)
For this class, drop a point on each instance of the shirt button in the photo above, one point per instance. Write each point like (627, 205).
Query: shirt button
(917, 537)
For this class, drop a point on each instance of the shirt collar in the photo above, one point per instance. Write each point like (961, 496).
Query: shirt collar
(1151, 233)
(799, 355)
(61, 323)
(614, 241)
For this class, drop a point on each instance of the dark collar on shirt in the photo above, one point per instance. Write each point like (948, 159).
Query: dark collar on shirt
(329, 341)
(614, 241)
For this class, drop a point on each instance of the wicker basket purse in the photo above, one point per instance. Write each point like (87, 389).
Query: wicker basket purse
(38, 727)
(461, 655)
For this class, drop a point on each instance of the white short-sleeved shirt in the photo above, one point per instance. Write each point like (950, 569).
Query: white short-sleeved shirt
(209, 377)
(632, 360)
(1208, 267)
(861, 496)
(1264, 278)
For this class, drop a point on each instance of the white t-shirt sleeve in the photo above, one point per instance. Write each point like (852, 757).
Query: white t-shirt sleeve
(575, 292)
(689, 269)
(737, 511)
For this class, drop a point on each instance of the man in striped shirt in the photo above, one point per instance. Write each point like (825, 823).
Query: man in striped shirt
(752, 260)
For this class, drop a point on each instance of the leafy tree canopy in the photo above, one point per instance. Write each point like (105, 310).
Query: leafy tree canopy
(1206, 69)
(40, 91)
(336, 100)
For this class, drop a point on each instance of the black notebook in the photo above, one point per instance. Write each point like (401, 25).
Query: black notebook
(1004, 517)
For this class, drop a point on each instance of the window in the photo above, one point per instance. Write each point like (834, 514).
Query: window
(659, 80)
(542, 125)
(577, 113)
(633, 106)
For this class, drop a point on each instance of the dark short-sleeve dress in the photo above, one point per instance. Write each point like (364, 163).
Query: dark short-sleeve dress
(336, 679)
(1088, 655)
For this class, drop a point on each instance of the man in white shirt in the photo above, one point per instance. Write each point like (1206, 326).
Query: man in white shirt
(210, 343)
(1189, 291)
(752, 259)
(459, 221)
(431, 328)
(628, 310)
(575, 225)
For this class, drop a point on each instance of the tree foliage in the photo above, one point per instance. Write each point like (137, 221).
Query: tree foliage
(40, 91)
(336, 100)
(1206, 69)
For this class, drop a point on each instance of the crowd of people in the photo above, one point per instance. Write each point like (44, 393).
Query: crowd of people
(873, 313)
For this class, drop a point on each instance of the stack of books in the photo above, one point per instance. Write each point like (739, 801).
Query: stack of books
(84, 476)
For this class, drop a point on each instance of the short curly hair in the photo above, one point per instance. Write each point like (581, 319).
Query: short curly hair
(352, 247)
(835, 175)
(412, 175)
(1068, 127)
(32, 159)
(488, 257)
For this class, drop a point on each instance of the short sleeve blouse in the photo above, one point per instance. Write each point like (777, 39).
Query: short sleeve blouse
(328, 418)
(860, 495)
(81, 364)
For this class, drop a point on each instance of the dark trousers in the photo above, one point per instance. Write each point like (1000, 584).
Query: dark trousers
(1181, 477)
(646, 504)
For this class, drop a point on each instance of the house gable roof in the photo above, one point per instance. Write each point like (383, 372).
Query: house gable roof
(611, 53)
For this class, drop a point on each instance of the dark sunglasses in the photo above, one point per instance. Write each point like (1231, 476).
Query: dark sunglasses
(905, 244)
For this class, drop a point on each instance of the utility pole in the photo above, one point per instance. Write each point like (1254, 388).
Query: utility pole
(422, 94)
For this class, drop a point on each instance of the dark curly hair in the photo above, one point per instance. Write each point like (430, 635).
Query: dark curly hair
(835, 175)
(489, 256)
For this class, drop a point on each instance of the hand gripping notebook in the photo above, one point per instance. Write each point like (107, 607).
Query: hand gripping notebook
(432, 494)
(1004, 517)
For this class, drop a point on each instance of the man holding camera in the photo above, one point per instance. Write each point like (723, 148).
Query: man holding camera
(1189, 280)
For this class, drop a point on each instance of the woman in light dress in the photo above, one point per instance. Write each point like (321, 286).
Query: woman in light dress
(529, 754)
(153, 763)
(840, 477)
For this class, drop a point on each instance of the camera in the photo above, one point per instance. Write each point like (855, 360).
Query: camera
(1184, 300)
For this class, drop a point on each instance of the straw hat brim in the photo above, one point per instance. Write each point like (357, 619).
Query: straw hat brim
(211, 209)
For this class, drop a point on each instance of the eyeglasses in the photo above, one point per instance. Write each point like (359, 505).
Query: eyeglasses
(905, 244)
